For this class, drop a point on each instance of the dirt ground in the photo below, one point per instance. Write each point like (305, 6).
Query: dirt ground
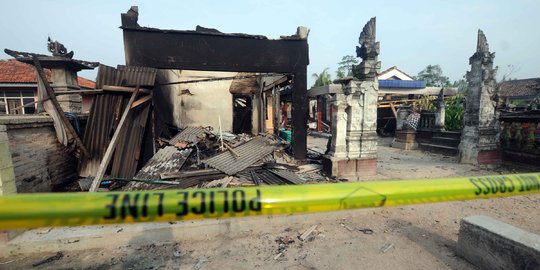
(411, 237)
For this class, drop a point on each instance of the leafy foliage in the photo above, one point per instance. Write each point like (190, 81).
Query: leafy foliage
(322, 78)
(346, 65)
(433, 76)
(425, 104)
(453, 120)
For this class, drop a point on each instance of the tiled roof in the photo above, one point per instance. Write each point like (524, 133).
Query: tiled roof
(520, 88)
(13, 71)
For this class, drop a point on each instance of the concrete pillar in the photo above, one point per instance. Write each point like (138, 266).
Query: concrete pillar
(480, 134)
(7, 174)
(338, 146)
(440, 114)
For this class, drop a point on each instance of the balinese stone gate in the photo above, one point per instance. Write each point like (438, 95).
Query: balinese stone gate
(480, 134)
(353, 149)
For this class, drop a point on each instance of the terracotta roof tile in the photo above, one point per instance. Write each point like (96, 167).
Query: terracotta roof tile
(13, 71)
(520, 88)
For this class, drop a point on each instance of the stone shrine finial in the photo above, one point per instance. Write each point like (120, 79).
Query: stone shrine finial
(482, 44)
(368, 51)
(58, 49)
(368, 34)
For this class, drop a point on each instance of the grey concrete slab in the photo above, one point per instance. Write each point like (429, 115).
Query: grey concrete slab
(491, 244)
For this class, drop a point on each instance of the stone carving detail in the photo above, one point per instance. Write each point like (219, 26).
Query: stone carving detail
(58, 49)
(369, 52)
(480, 132)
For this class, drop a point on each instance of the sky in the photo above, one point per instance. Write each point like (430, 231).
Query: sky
(412, 34)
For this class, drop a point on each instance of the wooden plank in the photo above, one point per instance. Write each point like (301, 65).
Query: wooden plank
(393, 110)
(112, 144)
(52, 97)
(27, 104)
(141, 101)
(233, 152)
(299, 113)
(82, 92)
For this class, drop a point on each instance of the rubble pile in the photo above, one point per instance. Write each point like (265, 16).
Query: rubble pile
(198, 157)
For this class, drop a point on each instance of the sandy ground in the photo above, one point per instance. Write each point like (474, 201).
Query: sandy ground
(412, 237)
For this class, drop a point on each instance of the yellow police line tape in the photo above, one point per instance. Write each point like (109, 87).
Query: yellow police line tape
(74, 209)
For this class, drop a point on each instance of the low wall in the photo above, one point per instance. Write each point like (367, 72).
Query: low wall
(39, 163)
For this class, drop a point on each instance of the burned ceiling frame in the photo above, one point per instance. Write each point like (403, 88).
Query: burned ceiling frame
(211, 50)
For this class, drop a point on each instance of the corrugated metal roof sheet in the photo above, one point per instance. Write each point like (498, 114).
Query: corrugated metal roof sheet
(250, 152)
(402, 84)
(133, 76)
(289, 176)
(128, 150)
(125, 76)
(166, 160)
(104, 116)
(189, 134)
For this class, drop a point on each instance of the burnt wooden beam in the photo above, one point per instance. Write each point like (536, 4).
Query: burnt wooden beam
(196, 51)
(299, 114)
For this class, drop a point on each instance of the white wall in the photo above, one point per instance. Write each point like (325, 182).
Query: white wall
(195, 104)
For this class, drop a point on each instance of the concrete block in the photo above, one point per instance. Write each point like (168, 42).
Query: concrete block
(491, 244)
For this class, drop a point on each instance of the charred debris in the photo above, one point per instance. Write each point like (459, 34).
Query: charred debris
(129, 149)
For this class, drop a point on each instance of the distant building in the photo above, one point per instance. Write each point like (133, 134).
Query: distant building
(396, 84)
(18, 86)
(519, 94)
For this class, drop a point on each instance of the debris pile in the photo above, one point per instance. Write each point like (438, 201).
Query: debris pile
(199, 157)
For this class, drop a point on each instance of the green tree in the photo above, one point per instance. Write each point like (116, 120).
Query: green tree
(433, 76)
(453, 117)
(461, 85)
(346, 65)
(322, 78)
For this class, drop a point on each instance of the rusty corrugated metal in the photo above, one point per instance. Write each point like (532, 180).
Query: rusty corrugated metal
(189, 134)
(133, 76)
(128, 151)
(249, 153)
(106, 76)
(166, 160)
(125, 76)
(104, 115)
